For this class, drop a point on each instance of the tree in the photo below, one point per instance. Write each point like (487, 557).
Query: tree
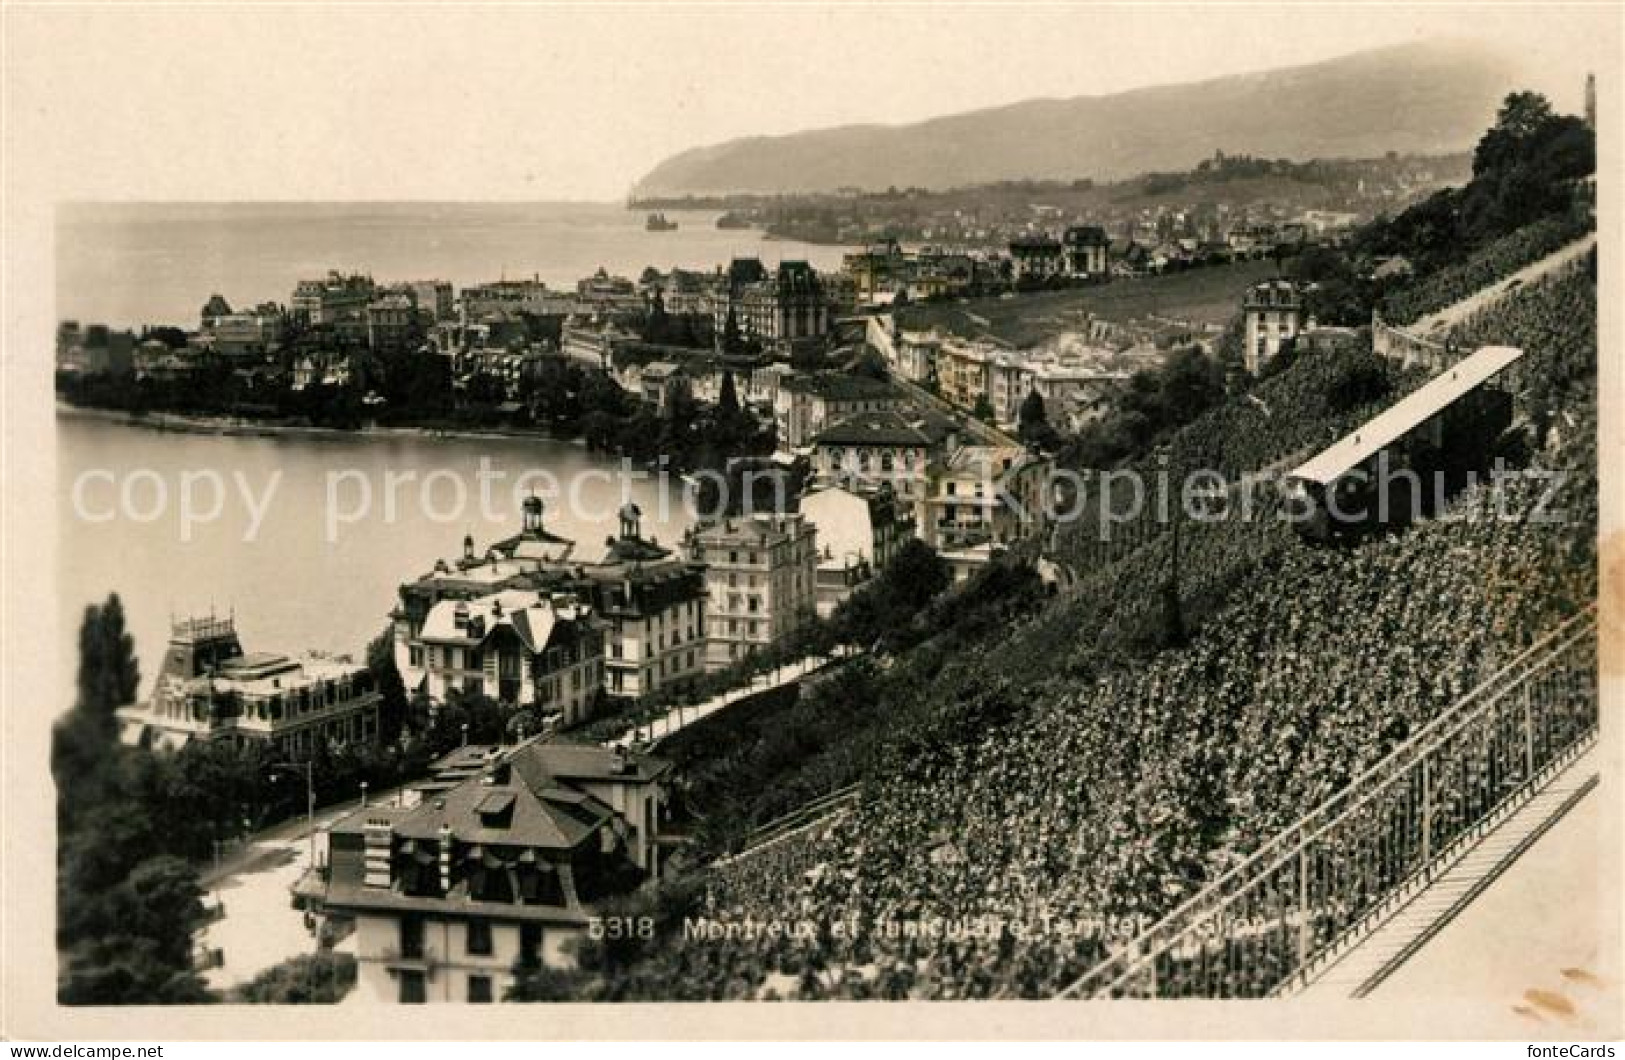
(728, 398)
(393, 709)
(1523, 165)
(108, 674)
(732, 340)
(1034, 422)
(319, 979)
(1190, 383)
(85, 742)
(657, 328)
(1521, 119)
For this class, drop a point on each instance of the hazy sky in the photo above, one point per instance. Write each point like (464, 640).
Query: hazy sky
(429, 102)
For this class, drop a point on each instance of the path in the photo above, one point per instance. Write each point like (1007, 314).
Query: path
(1451, 315)
(1409, 932)
(680, 717)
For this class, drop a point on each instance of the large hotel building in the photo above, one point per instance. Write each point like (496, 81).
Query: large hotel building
(210, 689)
(530, 623)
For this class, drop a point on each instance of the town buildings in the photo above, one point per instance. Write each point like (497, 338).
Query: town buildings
(392, 321)
(812, 402)
(859, 531)
(338, 300)
(514, 297)
(495, 870)
(652, 602)
(434, 300)
(208, 688)
(780, 310)
(963, 375)
(915, 355)
(1037, 257)
(245, 337)
(96, 349)
(524, 647)
(892, 448)
(986, 495)
(760, 581)
(1086, 248)
(1272, 313)
(628, 623)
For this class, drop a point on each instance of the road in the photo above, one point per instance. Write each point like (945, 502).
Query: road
(985, 433)
(260, 927)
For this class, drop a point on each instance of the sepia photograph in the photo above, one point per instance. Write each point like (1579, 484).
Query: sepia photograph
(1074, 521)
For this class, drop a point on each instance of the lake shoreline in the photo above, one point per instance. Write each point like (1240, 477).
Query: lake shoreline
(238, 427)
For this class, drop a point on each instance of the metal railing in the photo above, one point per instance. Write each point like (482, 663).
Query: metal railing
(1270, 923)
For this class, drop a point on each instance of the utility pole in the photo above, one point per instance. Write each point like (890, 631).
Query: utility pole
(310, 799)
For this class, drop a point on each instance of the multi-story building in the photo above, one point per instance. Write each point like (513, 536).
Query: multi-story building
(209, 689)
(809, 403)
(1009, 377)
(526, 647)
(592, 342)
(1087, 250)
(215, 308)
(337, 300)
(986, 494)
(514, 297)
(1037, 258)
(760, 580)
(391, 321)
(604, 293)
(495, 870)
(963, 374)
(646, 602)
(246, 336)
(778, 310)
(896, 449)
(915, 355)
(652, 603)
(436, 300)
(859, 531)
(875, 270)
(1272, 313)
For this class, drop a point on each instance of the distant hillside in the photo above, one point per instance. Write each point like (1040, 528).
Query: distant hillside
(1422, 98)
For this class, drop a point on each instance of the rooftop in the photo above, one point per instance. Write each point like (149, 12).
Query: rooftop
(1406, 415)
(888, 427)
(526, 796)
(842, 386)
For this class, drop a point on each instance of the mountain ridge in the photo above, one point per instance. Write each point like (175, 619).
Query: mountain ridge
(1426, 97)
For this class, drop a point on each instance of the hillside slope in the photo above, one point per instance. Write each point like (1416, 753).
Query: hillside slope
(1424, 98)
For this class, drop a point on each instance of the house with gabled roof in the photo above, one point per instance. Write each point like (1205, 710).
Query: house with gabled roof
(496, 866)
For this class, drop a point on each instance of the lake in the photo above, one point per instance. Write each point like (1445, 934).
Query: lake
(148, 263)
(332, 525)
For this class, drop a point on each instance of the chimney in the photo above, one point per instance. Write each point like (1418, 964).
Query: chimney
(445, 859)
(377, 840)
